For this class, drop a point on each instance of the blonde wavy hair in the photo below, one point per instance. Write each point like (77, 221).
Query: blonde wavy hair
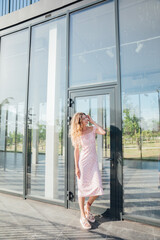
(76, 127)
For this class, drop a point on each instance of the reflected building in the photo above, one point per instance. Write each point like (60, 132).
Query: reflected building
(98, 57)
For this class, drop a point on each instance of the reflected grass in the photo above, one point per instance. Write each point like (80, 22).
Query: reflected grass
(149, 150)
(147, 154)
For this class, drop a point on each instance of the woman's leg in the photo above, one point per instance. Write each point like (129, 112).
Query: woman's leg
(81, 205)
(83, 220)
(90, 201)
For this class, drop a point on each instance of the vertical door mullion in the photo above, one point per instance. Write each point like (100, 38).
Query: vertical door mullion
(70, 157)
(26, 121)
(118, 107)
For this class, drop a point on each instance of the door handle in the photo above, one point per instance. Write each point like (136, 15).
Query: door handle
(68, 120)
(70, 196)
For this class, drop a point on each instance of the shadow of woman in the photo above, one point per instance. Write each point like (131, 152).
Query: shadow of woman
(103, 232)
(99, 220)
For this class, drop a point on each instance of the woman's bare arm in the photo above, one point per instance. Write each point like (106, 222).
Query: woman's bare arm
(99, 129)
(76, 159)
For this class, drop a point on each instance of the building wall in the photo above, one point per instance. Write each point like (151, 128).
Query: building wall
(32, 11)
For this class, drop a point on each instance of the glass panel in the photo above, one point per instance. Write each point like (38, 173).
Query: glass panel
(15, 5)
(1, 10)
(46, 153)
(18, 4)
(98, 107)
(92, 46)
(140, 68)
(13, 85)
(11, 5)
(3, 7)
(28, 2)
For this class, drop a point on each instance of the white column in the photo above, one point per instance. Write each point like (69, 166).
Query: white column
(35, 146)
(51, 138)
(35, 131)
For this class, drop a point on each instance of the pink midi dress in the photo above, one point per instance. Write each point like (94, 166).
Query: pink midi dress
(89, 183)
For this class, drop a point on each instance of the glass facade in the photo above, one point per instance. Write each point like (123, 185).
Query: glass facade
(140, 68)
(13, 85)
(89, 58)
(46, 111)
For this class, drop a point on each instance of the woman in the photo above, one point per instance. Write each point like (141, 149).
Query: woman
(86, 164)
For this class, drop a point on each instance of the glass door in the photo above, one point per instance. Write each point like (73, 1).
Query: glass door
(99, 104)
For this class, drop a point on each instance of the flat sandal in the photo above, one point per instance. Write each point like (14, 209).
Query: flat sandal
(89, 215)
(83, 222)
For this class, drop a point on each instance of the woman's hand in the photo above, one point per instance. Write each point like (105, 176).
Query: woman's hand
(78, 172)
(99, 129)
(90, 119)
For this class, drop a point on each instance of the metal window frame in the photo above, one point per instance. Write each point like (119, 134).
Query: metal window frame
(101, 90)
(26, 118)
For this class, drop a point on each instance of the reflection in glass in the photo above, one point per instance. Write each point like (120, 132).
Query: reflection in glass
(13, 85)
(92, 46)
(98, 107)
(46, 111)
(140, 68)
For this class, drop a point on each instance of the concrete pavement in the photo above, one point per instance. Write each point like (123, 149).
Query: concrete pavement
(28, 219)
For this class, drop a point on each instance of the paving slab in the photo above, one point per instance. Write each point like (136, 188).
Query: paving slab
(27, 219)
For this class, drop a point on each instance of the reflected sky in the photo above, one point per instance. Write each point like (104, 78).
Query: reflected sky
(92, 45)
(13, 69)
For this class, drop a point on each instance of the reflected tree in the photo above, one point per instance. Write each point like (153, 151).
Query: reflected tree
(11, 140)
(6, 101)
(61, 135)
(131, 127)
(42, 136)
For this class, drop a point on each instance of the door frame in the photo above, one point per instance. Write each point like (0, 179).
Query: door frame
(115, 169)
